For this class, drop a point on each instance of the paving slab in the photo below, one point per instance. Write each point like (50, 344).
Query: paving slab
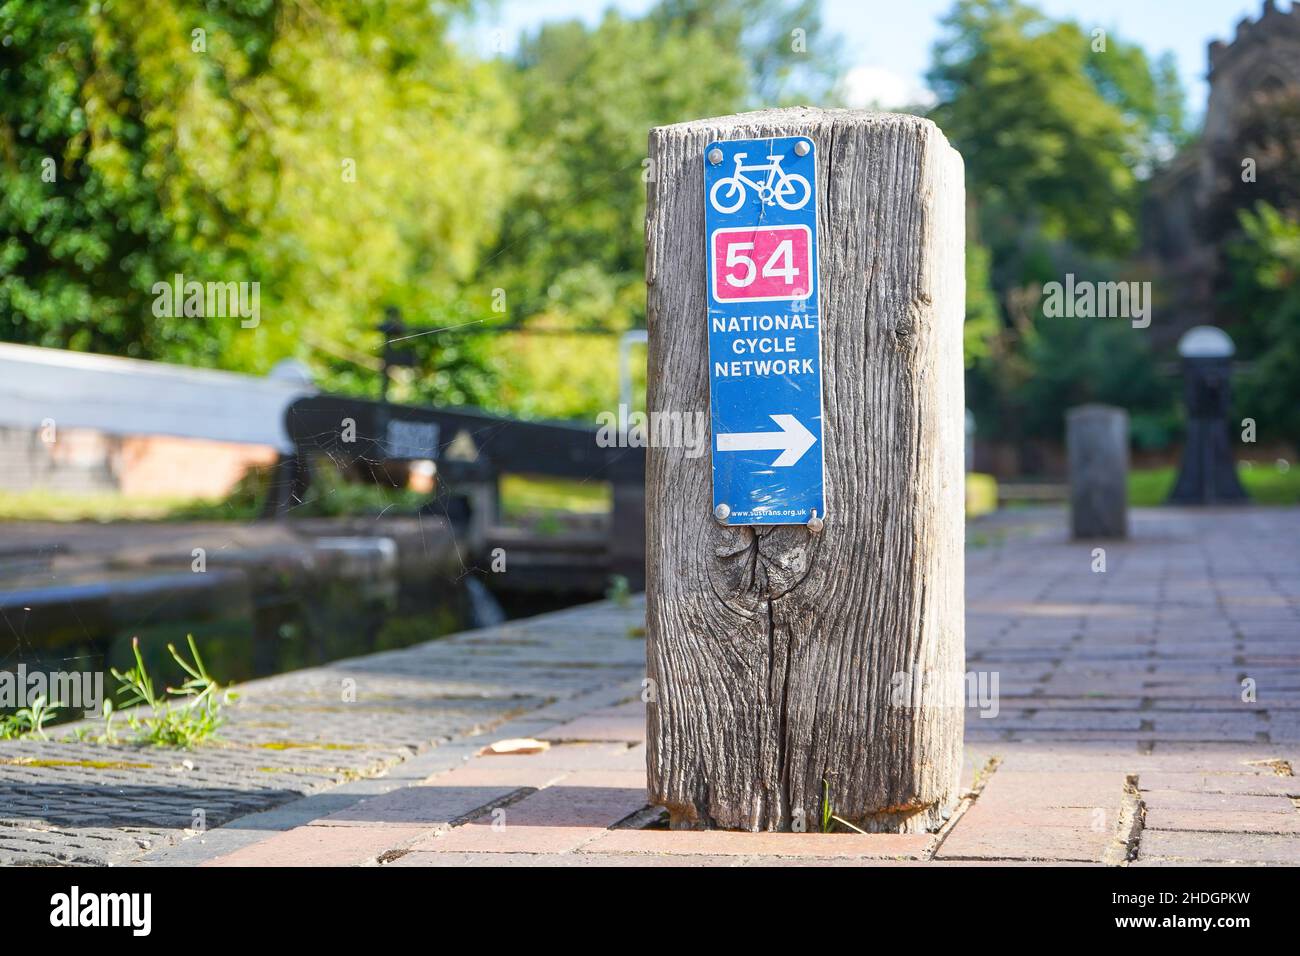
(1219, 848)
(421, 858)
(321, 846)
(728, 843)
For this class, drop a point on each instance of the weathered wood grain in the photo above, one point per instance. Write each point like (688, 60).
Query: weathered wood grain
(776, 653)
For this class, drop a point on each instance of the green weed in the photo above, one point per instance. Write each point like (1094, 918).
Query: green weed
(619, 590)
(29, 721)
(179, 717)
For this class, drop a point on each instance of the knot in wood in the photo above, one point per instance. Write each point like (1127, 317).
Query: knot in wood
(754, 564)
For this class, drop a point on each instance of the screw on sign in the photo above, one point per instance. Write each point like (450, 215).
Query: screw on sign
(764, 331)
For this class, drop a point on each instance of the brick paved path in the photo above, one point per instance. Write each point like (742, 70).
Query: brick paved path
(1125, 705)
(1145, 715)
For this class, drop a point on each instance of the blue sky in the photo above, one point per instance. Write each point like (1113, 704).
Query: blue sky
(887, 42)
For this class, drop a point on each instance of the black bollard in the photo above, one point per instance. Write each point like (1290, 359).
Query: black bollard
(1209, 473)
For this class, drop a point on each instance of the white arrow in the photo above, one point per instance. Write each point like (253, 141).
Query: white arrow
(792, 440)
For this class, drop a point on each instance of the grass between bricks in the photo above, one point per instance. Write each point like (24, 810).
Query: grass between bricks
(179, 717)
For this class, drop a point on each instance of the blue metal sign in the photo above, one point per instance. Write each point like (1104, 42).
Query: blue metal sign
(765, 375)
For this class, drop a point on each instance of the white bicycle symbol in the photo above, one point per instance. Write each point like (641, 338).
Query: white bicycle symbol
(791, 191)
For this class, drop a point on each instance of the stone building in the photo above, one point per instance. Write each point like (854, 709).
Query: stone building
(1262, 57)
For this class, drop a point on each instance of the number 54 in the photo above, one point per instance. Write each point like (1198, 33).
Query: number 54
(779, 265)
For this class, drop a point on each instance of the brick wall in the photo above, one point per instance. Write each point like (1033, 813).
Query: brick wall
(84, 461)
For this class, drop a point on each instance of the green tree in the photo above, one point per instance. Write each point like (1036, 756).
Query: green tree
(1253, 218)
(1258, 163)
(571, 252)
(323, 150)
(1056, 132)
(1047, 126)
(982, 316)
(1078, 361)
(1265, 295)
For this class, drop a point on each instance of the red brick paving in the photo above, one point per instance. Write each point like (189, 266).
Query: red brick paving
(563, 757)
(1131, 676)
(1191, 800)
(626, 723)
(489, 775)
(1026, 842)
(422, 807)
(1223, 821)
(320, 846)
(510, 838)
(419, 858)
(729, 843)
(1224, 783)
(1219, 848)
(559, 819)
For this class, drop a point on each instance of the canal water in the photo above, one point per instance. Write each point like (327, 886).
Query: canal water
(251, 616)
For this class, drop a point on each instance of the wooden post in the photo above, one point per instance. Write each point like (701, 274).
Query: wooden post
(1096, 438)
(785, 663)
